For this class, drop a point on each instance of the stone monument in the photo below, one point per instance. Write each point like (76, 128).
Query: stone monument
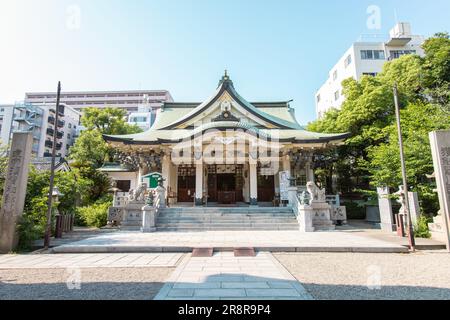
(386, 215)
(15, 190)
(440, 149)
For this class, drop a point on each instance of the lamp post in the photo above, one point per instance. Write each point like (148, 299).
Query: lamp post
(48, 227)
(412, 243)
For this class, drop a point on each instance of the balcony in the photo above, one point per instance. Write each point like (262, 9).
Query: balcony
(59, 134)
(47, 154)
(48, 143)
(50, 132)
(61, 123)
(51, 119)
(58, 146)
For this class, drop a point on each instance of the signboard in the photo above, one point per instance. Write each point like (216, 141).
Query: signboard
(151, 179)
(284, 185)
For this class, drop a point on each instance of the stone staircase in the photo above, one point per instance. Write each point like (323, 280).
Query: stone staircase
(226, 219)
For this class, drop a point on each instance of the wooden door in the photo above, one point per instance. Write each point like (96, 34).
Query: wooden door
(186, 188)
(212, 187)
(266, 188)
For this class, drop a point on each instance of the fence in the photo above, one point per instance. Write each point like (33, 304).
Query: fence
(64, 223)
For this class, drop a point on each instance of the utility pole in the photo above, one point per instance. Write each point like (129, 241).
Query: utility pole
(48, 228)
(412, 243)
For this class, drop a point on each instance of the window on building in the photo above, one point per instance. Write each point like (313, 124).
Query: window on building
(395, 54)
(70, 126)
(348, 60)
(378, 55)
(318, 98)
(335, 75)
(68, 136)
(372, 55)
(366, 54)
(336, 95)
(138, 119)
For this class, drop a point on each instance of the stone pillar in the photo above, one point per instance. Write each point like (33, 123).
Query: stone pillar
(253, 184)
(414, 208)
(440, 149)
(386, 216)
(148, 219)
(292, 195)
(15, 190)
(199, 183)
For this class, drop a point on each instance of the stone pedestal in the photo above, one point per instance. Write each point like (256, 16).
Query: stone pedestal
(385, 206)
(322, 216)
(115, 216)
(305, 218)
(339, 214)
(148, 219)
(437, 228)
(132, 215)
(15, 190)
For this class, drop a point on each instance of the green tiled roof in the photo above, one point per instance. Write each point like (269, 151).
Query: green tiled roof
(170, 122)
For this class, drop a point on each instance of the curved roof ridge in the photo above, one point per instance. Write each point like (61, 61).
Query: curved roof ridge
(227, 85)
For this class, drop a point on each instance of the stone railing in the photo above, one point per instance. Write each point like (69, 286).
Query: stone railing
(304, 217)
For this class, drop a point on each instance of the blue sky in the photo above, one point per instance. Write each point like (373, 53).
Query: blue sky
(273, 50)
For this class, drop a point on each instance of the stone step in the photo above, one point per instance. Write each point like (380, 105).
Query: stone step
(226, 216)
(228, 210)
(227, 225)
(234, 228)
(187, 220)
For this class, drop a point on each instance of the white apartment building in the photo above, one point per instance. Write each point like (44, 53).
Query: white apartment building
(143, 120)
(366, 57)
(6, 122)
(130, 101)
(41, 121)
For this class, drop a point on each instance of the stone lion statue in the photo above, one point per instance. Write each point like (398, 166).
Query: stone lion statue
(315, 192)
(139, 193)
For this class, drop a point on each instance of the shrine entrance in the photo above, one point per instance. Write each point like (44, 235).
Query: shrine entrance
(186, 183)
(225, 184)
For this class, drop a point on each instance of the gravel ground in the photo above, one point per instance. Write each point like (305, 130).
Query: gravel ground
(96, 284)
(347, 276)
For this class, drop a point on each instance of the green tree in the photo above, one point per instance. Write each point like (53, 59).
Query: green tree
(371, 154)
(437, 67)
(89, 150)
(107, 121)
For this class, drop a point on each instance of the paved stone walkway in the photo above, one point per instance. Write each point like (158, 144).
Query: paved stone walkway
(127, 241)
(113, 260)
(224, 276)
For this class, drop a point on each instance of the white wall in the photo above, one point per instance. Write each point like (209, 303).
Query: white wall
(356, 70)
